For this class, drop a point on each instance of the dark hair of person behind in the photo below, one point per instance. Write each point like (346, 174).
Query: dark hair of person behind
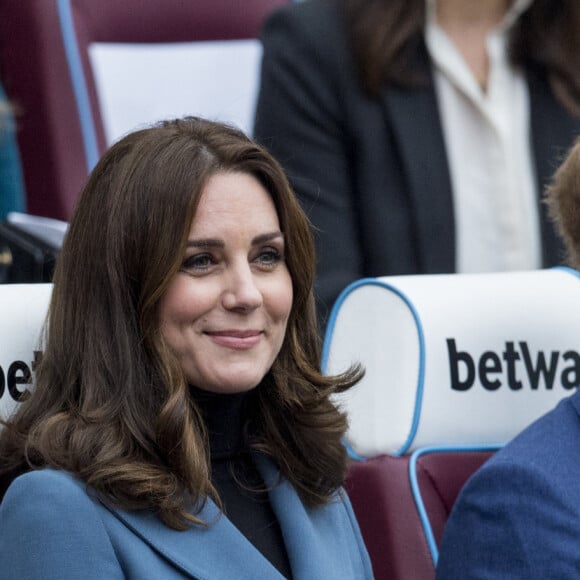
(563, 199)
(387, 38)
(111, 404)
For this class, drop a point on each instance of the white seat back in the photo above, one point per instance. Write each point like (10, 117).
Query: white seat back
(24, 309)
(459, 359)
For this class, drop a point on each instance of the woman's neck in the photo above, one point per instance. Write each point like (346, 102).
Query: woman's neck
(224, 417)
(471, 13)
(467, 23)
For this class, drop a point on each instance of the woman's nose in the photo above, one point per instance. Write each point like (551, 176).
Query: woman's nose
(241, 292)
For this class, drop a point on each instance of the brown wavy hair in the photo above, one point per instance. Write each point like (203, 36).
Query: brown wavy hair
(386, 37)
(563, 199)
(111, 404)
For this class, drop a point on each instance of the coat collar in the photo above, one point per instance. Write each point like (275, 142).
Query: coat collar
(221, 551)
(216, 551)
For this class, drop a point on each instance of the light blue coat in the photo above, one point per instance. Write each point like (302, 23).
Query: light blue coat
(51, 529)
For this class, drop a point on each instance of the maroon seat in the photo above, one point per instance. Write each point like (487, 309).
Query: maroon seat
(384, 499)
(60, 128)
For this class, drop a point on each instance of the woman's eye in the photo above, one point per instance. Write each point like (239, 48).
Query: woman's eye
(197, 263)
(269, 257)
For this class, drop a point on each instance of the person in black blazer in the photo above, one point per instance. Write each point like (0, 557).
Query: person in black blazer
(362, 140)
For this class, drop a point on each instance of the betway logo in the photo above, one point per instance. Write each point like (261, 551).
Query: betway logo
(509, 367)
(17, 376)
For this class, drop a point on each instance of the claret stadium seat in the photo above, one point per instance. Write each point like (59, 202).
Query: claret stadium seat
(456, 366)
(61, 59)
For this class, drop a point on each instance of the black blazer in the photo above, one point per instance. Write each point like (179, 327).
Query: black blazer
(372, 174)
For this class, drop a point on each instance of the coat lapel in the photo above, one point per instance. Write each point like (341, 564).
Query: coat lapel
(414, 117)
(219, 551)
(316, 539)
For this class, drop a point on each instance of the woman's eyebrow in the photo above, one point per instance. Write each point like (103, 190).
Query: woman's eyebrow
(267, 237)
(206, 243)
(217, 243)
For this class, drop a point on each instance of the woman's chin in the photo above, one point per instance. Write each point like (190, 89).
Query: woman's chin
(231, 384)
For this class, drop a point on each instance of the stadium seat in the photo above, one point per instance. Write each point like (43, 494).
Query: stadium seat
(456, 365)
(48, 54)
(23, 315)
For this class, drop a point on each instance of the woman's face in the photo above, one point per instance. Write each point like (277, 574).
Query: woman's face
(225, 313)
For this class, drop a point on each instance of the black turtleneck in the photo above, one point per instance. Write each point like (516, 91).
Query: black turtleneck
(236, 478)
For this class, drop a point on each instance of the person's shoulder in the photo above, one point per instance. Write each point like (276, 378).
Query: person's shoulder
(52, 527)
(46, 479)
(315, 19)
(553, 436)
(45, 489)
(521, 508)
(307, 11)
(544, 459)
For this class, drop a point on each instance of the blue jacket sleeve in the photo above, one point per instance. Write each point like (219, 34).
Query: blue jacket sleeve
(51, 530)
(510, 522)
(12, 196)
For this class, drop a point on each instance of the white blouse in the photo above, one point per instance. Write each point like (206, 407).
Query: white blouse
(488, 142)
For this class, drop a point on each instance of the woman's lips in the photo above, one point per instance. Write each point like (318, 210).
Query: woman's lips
(236, 339)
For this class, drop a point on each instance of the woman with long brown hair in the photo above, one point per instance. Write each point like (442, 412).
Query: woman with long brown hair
(419, 135)
(180, 425)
